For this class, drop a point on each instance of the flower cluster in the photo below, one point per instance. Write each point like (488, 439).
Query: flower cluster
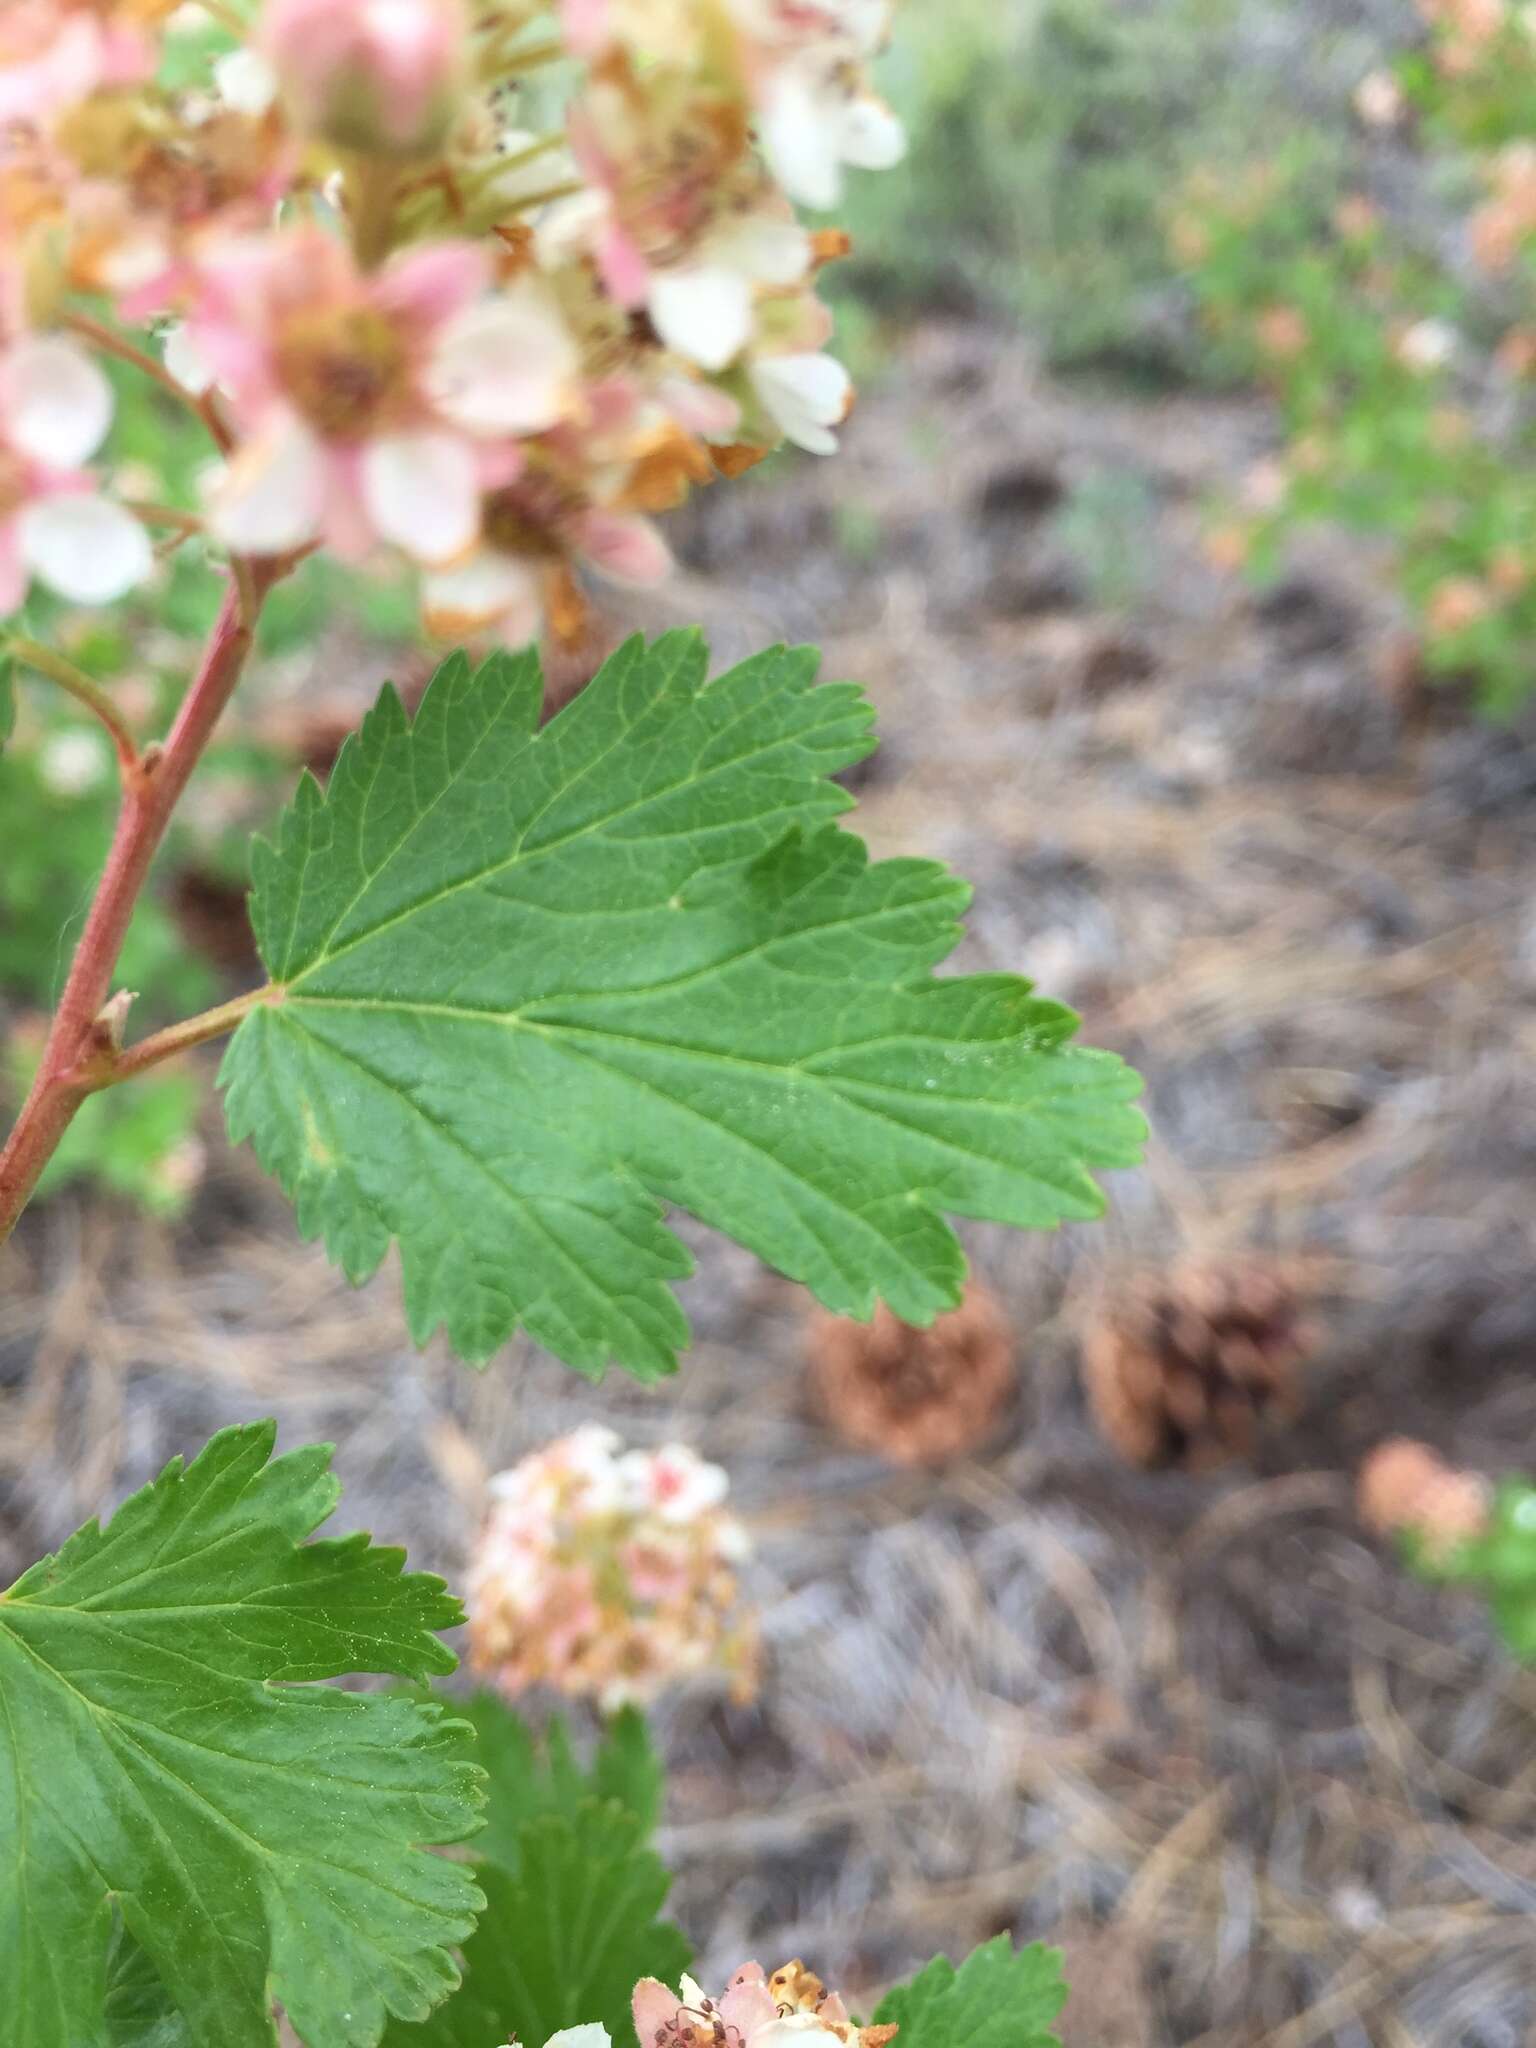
(790, 2009)
(489, 286)
(609, 1573)
(1403, 380)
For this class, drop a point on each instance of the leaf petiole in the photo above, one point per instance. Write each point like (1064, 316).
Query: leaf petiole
(84, 689)
(164, 1045)
(111, 344)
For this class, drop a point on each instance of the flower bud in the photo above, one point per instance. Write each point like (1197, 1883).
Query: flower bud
(1405, 1485)
(382, 76)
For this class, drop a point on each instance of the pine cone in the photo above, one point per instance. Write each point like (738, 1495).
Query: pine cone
(1405, 1485)
(919, 1397)
(1183, 1369)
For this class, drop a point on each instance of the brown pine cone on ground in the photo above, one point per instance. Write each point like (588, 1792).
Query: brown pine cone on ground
(1183, 1368)
(919, 1397)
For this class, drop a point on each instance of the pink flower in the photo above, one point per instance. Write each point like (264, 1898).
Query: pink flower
(686, 2019)
(383, 76)
(790, 2009)
(55, 409)
(139, 209)
(55, 53)
(587, 1577)
(371, 406)
(578, 504)
(532, 532)
(678, 218)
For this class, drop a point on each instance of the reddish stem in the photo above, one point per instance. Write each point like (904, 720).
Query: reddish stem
(78, 1036)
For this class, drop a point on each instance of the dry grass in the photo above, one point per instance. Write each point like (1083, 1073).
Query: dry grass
(1267, 1789)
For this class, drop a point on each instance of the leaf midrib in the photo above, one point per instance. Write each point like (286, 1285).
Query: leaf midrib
(643, 991)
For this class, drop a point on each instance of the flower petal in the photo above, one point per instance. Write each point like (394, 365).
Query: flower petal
(65, 69)
(486, 590)
(180, 355)
(57, 403)
(653, 2008)
(800, 140)
(423, 493)
(702, 408)
(768, 250)
(593, 2035)
(87, 549)
(507, 366)
(627, 549)
(748, 2003)
(873, 138)
(271, 498)
(807, 395)
(435, 283)
(705, 314)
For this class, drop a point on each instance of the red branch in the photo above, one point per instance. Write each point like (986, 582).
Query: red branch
(79, 1035)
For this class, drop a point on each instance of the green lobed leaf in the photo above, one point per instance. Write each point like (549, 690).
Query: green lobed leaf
(172, 1781)
(527, 1779)
(7, 696)
(1000, 1997)
(564, 1940)
(533, 984)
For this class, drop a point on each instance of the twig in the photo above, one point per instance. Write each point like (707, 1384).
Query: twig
(84, 690)
(163, 515)
(178, 1038)
(81, 1034)
(118, 345)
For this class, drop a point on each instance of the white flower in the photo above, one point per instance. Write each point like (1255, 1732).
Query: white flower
(814, 121)
(703, 309)
(85, 548)
(673, 1483)
(58, 405)
(55, 409)
(806, 395)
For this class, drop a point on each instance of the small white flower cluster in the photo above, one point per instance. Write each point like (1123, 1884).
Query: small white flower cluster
(609, 1573)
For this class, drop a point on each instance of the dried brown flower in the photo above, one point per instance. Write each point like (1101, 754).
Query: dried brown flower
(919, 1397)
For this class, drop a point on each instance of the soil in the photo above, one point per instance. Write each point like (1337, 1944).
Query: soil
(1264, 1786)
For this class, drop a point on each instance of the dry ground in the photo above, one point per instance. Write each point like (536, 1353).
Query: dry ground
(1264, 1788)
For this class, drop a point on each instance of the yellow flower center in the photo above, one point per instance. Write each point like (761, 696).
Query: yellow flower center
(348, 372)
(523, 520)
